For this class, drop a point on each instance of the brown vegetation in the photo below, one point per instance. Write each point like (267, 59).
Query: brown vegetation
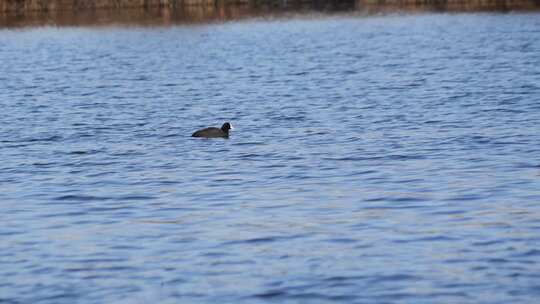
(81, 12)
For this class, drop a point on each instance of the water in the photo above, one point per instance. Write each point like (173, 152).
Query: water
(382, 159)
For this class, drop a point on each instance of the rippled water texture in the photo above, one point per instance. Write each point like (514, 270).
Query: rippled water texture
(375, 160)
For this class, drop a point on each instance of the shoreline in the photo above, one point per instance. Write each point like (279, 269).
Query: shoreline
(167, 12)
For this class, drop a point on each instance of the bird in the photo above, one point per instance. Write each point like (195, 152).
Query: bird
(214, 132)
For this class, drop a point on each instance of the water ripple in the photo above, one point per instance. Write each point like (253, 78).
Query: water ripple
(376, 159)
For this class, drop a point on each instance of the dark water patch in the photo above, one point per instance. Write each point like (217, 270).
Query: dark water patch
(524, 165)
(381, 158)
(394, 199)
(438, 238)
(52, 138)
(97, 260)
(99, 174)
(311, 296)
(216, 254)
(342, 240)
(66, 214)
(448, 212)
(488, 243)
(252, 157)
(95, 268)
(255, 241)
(274, 206)
(529, 253)
(405, 157)
(177, 209)
(232, 263)
(394, 207)
(41, 164)
(263, 240)
(109, 209)
(135, 197)
(497, 261)
(132, 153)
(521, 292)
(89, 164)
(63, 296)
(10, 233)
(79, 152)
(185, 240)
(354, 158)
(81, 198)
(270, 294)
(465, 198)
(342, 279)
(176, 281)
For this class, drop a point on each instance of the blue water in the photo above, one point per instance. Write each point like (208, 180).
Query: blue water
(376, 159)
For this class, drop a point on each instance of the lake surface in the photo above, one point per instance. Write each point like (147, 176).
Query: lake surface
(375, 159)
